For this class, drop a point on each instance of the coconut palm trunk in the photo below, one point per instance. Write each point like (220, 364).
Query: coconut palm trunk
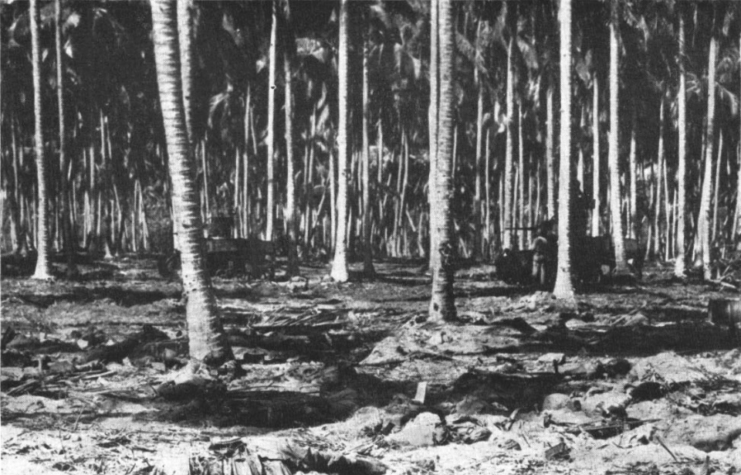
(704, 219)
(442, 302)
(272, 73)
(432, 122)
(185, 41)
(509, 167)
(681, 259)
(564, 287)
(207, 341)
(339, 264)
(596, 218)
(616, 220)
(63, 195)
(550, 155)
(367, 244)
(290, 212)
(43, 238)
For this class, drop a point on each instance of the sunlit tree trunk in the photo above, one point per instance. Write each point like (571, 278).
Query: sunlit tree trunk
(633, 219)
(564, 287)
(290, 212)
(596, 218)
(657, 196)
(272, 86)
(616, 221)
(432, 123)
(550, 155)
(339, 264)
(681, 259)
(478, 189)
(43, 268)
(522, 181)
(207, 341)
(716, 189)
(704, 219)
(509, 171)
(367, 244)
(442, 302)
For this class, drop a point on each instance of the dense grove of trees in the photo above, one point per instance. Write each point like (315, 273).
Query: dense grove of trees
(299, 114)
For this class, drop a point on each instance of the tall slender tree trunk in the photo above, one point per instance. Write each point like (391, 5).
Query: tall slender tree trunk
(681, 259)
(207, 340)
(477, 202)
(290, 213)
(550, 154)
(63, 195)
(272, 86)
(564, 287)
(616, 221)
(596, 218)
(367, 244)
(716, 189)
(432, 124)
(185, 41)
(522, 188)
(442, 302)
(487, 197)
(633, 213)
(43, 267)
(657, 197)
(509, 170)
(704, 219)
(339, 264)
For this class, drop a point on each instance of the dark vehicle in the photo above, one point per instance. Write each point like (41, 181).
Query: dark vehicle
(538, 265)
(227, 256)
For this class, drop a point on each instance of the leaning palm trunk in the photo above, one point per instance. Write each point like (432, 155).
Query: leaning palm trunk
(704, 219)
(207, 341)
(616, 229)
(42, 213)
(339, 264)
(680, 262)
(442, 302)
(564, 287)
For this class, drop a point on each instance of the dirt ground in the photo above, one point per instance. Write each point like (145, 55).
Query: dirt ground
(352, 378)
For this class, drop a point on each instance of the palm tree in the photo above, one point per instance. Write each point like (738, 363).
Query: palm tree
(290, 213)
(509, 172)
(616, 228)
(680, 263)
(564, 287)
(442, 302)
(270, 205)
(339, 264)
(367, 243)
(432, 123)
(64, 209)
(704, 218)
(42, 229)
(207, 340)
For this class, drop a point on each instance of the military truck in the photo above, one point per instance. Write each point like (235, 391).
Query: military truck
(537, 266)
(226, 256)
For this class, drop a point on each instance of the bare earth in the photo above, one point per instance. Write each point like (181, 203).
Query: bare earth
(636, 381)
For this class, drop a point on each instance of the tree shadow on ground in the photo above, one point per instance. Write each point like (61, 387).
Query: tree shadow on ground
(124, 297)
